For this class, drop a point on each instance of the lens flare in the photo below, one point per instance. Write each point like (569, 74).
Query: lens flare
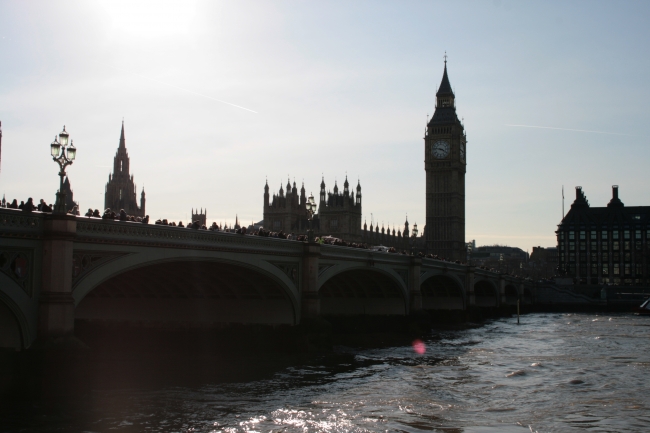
(419, 347)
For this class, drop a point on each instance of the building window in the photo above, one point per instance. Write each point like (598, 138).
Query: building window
(626, 234)
(605, 246)
(615, 245)
(572, 257)
(572, 235)
(572, 246)
(334, 224)
(582, 235)
(120, 194)
(605, 257)
(121, 165)
(605, 270)
(627, 257)
(615, 257)
(594, 257)
(627, 269)
(616, 269)
(637, 234)
(615, 234)
(603, 235)
(594, 246)
(593, 235)
(583, 246)
(561, 236)
(277, 224)
(627, 245)
(594, 269)
(638, 245)
(639, 269)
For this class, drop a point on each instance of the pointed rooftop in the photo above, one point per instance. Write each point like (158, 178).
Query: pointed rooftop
(445, 85)
(122, 140)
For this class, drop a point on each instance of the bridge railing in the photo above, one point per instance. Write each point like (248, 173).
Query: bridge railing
(134, 233)
(343, 253)
(15, 222)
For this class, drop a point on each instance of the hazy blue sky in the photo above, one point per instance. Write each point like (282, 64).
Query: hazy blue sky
(334, 87)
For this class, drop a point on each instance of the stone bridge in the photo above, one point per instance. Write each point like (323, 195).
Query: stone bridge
(58, 269)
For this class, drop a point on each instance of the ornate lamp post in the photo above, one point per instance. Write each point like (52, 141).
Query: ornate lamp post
(63, 154)
(311, 210)
(414, 237)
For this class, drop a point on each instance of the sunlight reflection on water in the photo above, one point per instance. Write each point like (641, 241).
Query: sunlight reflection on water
(545, 375)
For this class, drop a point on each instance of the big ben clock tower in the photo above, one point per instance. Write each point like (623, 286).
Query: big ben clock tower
(445, 164)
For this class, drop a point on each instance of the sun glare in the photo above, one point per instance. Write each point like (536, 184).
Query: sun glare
(149, 20)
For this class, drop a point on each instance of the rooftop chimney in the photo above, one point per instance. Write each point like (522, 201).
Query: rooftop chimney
(615, 201)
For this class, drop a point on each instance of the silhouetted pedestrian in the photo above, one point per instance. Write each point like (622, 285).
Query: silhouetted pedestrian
(29, 206)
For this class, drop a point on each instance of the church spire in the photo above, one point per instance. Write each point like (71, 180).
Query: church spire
(122, 141)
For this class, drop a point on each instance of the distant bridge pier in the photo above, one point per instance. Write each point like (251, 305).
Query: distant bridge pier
(310, 297)
(56, 304)
(414, 285)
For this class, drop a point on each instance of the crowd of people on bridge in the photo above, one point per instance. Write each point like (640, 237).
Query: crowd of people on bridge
(26, 206)
(108, 214)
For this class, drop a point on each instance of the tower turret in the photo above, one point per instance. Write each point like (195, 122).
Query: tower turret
(358, 192)
(322, 191)
(120, 192)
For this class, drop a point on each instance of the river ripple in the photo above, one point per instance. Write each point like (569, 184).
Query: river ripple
(552, 373)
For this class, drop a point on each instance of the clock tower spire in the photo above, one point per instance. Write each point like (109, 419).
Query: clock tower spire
(445, 165)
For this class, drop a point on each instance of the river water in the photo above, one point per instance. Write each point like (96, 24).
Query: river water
(552, 373)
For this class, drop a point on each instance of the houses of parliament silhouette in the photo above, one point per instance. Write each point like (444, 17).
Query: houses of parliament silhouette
(339, 213)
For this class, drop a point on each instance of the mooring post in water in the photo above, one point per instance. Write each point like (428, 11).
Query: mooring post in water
(517, 311)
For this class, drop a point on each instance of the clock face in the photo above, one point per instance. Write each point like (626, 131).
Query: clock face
(440, 149)
(462, 150)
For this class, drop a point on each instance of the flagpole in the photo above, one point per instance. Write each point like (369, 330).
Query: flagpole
(562, 201)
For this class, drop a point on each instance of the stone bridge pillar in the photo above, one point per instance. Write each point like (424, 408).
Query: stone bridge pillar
(309, 297)
(501, 287)
(56, 305)
(469, 288)
(415, 291)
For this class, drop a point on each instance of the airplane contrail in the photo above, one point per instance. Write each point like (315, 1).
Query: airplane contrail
(185, 90)
(576, 130)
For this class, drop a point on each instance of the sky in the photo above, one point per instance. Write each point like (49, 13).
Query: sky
(218, 97)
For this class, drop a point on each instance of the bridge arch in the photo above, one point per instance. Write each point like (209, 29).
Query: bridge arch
(190, 291)
(367, 290)
(16, 330)
(486, 293)
(442, 292)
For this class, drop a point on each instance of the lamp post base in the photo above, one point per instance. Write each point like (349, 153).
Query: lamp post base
(59, 205)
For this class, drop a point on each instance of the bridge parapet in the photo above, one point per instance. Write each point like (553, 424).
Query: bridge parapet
(94, 230)
(18, 223)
